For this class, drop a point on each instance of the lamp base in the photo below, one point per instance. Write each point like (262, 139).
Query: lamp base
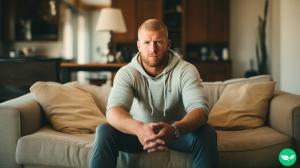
(110, 58)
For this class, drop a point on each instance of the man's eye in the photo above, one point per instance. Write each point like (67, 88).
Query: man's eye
(146, 42)
(158, 42)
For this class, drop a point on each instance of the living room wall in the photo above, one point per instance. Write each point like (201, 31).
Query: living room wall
(243, 33)
(283, 39)
(290, 46)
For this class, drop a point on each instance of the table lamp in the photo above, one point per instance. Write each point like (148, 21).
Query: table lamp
(111, 20)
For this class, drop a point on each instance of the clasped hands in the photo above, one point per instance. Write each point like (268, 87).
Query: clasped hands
(155, 136)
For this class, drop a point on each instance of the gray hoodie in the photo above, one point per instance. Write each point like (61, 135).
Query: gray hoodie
(164, 98)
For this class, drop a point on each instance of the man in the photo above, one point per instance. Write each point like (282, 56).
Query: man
(156, 104)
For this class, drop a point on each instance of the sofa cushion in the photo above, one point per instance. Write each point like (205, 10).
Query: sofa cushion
(48, 147)
(262, 145)
(162, 159)
(69, 109)
(242, 106)
(52, 148)
(250, 139)
(213, 90)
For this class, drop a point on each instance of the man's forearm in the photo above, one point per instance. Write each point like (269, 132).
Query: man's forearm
(192, 121)
(123, 121)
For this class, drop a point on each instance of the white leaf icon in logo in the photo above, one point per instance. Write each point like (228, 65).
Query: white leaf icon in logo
(292, 157)
(285, 157)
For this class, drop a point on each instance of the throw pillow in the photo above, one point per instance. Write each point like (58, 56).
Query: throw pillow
(99, 93)
(69, 109)
(213, 90)
(242, 106)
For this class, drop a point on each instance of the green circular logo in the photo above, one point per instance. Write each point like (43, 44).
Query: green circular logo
(287, 157)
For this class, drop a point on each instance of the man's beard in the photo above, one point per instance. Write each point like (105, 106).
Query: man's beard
(161, 60)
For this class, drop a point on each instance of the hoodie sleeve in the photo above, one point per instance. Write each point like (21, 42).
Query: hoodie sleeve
(122, 91)
(192, 89)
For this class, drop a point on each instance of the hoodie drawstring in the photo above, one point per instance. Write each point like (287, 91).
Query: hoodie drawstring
(150, 102)
(149, 96)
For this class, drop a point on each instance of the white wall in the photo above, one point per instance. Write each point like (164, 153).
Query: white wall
(283, 39)
(274, 37)
(290, 45)
(243, 33)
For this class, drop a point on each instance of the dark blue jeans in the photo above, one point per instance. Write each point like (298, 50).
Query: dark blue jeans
(202, 143)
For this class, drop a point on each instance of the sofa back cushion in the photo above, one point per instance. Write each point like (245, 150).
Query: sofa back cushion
(213, 90)
(242, 106)
(69, 109)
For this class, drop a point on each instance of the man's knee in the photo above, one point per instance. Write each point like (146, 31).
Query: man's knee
(206, 148)
(104, 131)
(103, 128)
(206, 134)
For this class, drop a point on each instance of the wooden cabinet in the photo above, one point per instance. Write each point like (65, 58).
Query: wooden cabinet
(207, 21)
(214, 71)
(17, 75)
(196, 21)
(199, 21)
(149, 9)
(218, 21)
(135, 12)
(198, 28)
(206, 30)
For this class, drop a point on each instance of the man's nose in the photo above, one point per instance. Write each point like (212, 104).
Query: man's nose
(153, 47)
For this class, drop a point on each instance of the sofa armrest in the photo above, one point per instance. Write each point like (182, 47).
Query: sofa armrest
(18, 117)
(285, 114)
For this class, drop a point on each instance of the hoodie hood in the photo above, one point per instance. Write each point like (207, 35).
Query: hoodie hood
(174, 58)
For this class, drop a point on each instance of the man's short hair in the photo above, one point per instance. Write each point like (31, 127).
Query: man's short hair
(154, 25)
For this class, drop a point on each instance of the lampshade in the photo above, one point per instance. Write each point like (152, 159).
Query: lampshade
(111, 19)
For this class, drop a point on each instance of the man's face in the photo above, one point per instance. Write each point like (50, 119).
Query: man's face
(153, 46)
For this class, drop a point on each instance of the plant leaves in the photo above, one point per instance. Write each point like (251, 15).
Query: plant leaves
(285, 157)
(292, 157)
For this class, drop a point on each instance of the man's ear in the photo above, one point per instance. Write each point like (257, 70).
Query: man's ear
(138, 45)
(169, 43)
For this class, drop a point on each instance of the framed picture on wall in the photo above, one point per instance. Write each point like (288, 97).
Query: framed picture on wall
(37, 20)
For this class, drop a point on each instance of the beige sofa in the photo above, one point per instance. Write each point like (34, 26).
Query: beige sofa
(27, 140)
